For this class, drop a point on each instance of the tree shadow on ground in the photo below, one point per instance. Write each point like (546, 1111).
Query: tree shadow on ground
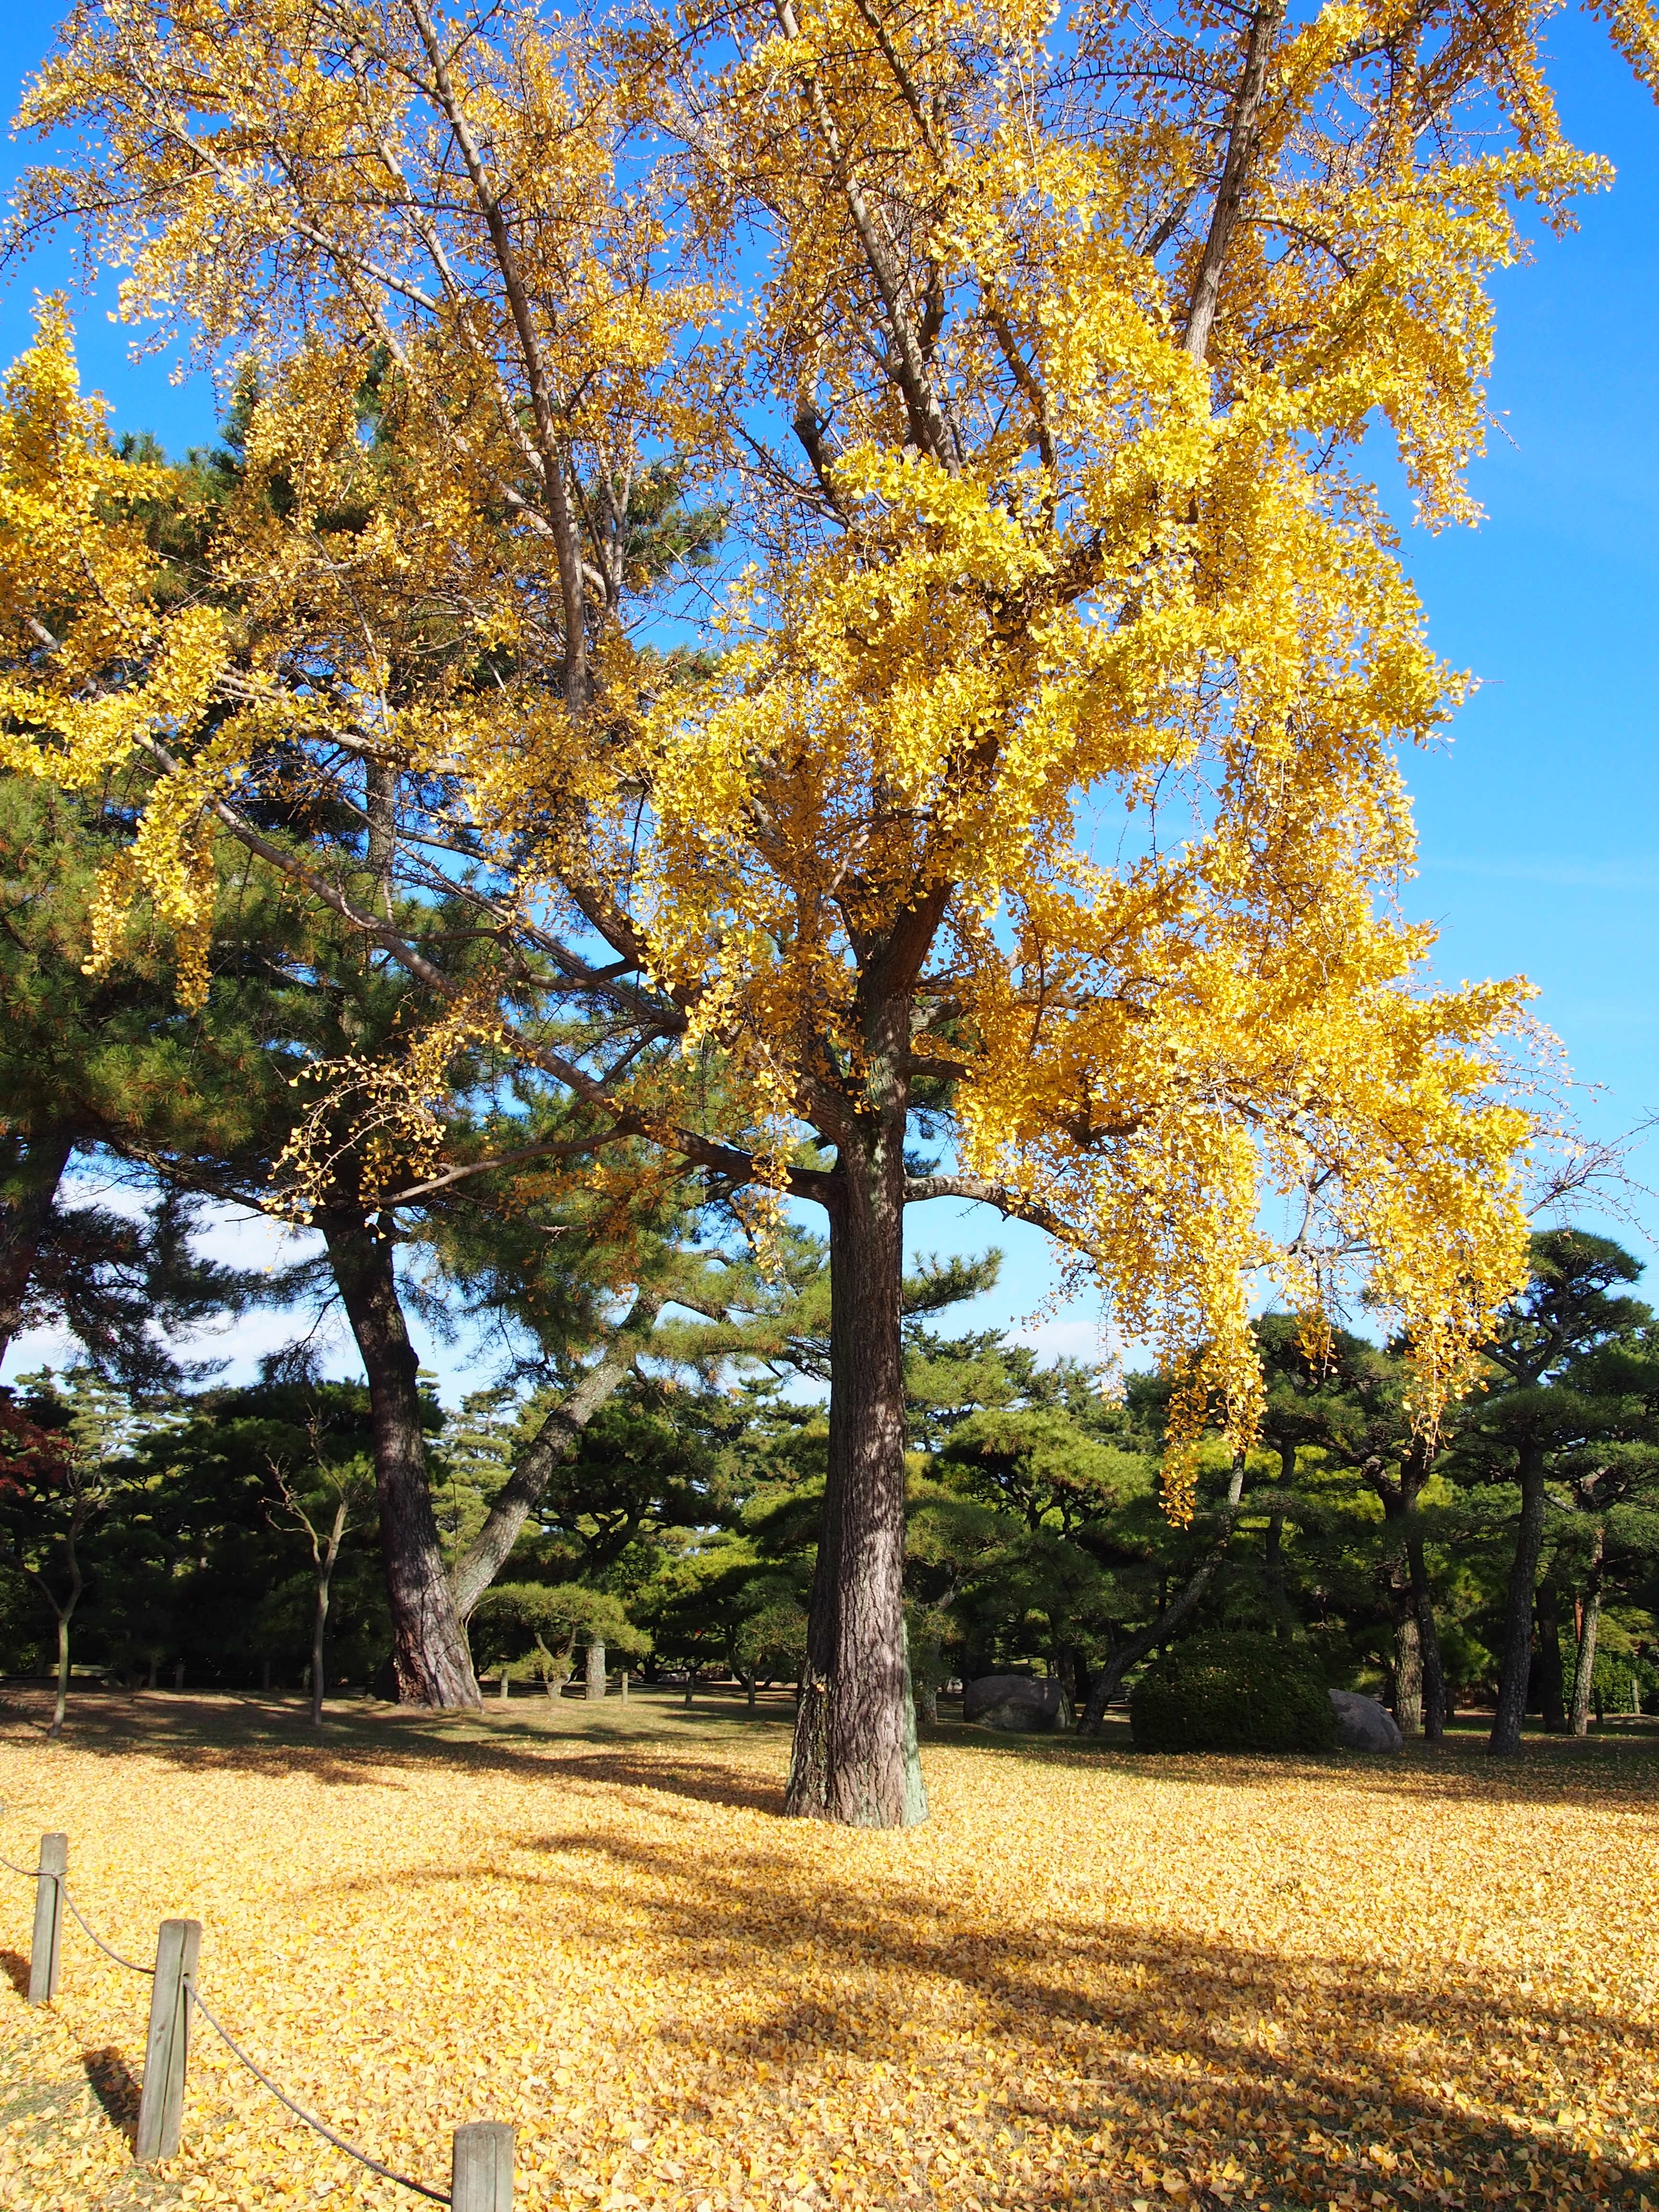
(15, 1968)
(706, 1782)
(1562, 1771)
(1299, 2050)
(366, 1744)
(654, 1742)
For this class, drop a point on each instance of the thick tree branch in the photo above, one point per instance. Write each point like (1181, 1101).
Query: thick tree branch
(927, 429)
(1010, 1204)
(1242, 140)
(567, 547)
(567, 1148)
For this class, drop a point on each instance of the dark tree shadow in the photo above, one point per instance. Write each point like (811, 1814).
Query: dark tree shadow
(1316, 2057)
(17, 1971)
(657, 1746)
(1561, 1770)
(705, 1782)
(1309, 2047)
(1142, 2015)
(359, 1744)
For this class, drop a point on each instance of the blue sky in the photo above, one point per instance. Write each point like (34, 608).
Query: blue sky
(1538, 825)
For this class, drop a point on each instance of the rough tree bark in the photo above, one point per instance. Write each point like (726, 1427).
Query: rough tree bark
(430, 1654)
(65, 1615)
(596, 1668)
(1419, 1694)
(1505, 1738)
(1590, 1625)
(1408, 1673)
(1243, 131)
(850, 1762)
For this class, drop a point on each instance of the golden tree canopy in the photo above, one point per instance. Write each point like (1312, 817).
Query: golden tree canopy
(1046, 777)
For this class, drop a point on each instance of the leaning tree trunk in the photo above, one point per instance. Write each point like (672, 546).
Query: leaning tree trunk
(430, 1653)
(319, 1652)
(23, 1222)
(1506, 1737)
(560, 1434)
(1589, 1626)
(1169, 1616)
(854, 1759)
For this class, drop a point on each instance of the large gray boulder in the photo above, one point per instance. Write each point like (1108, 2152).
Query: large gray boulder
(1017, 1702)
(1363, 1725)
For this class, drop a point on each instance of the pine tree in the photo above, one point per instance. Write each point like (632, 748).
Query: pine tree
(1052, 408)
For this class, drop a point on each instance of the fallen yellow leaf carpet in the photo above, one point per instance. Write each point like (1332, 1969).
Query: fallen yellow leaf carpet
(1090, 1978)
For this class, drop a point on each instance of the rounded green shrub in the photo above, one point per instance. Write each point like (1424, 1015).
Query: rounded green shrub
(1237, 1693)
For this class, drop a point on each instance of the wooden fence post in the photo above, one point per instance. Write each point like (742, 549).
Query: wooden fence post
(48, 1919)
(480, 2169)
(161, 2101)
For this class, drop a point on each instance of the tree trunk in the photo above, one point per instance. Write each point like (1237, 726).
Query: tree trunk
(318, 1641)
(1505, 1738)
(851, 1763)
(430, 1653)
(595, 1669)
(61, 1705)
(1428, 1641)
(326, 1555)
(1133, 1648)
(505, 1690)
(1589, 1624)
(1549, 1658)
(1408, 1675)
(24, 1221)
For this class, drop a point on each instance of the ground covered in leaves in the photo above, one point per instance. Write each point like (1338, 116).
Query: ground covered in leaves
(1091, 1977)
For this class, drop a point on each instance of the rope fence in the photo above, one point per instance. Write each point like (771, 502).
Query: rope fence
(438, 2196)
(481, 2162)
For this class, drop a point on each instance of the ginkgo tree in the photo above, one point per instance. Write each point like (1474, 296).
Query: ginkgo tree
(1043, 795)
